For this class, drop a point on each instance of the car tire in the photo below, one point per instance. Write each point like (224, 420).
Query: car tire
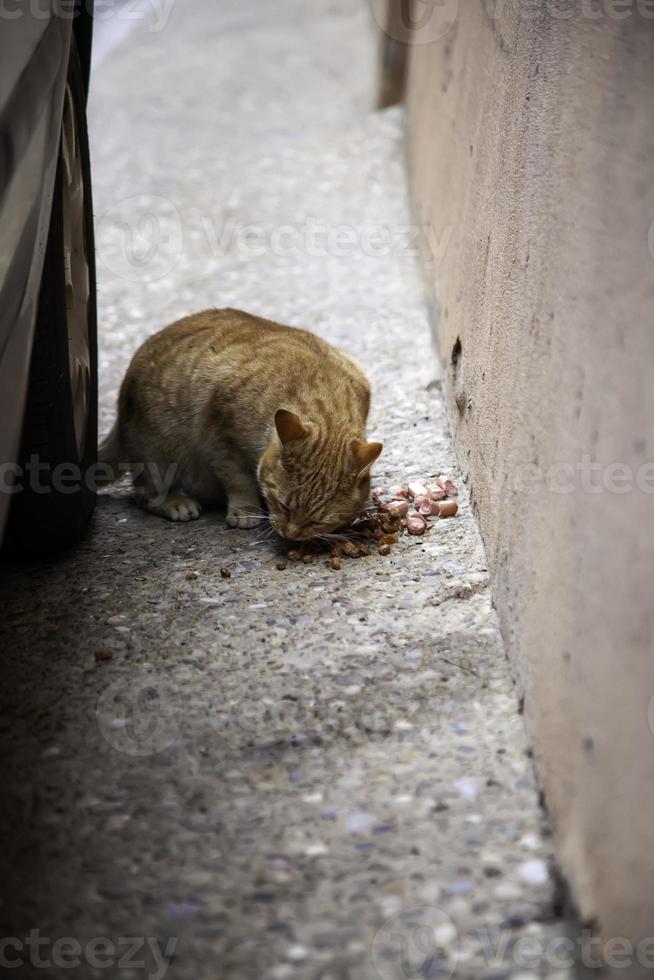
(54, 504)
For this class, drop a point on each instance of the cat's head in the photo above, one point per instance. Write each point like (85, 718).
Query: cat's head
(313, 483)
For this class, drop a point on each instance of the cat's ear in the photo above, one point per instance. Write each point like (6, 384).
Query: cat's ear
(365, 454)
(289, 426)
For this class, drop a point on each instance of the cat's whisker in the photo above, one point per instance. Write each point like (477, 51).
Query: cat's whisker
(265, 531)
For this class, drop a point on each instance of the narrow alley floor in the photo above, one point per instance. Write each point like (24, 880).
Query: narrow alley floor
(297, 774)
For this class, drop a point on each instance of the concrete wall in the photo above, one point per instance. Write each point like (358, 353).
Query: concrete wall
(393, 53)
(531, 146)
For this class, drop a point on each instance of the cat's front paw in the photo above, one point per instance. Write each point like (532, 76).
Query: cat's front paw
(244, 518)
(180, 509)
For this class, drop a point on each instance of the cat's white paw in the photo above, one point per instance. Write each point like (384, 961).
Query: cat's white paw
(180, 509)
(243, 518)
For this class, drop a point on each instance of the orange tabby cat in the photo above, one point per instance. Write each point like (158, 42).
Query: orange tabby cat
(231, 403)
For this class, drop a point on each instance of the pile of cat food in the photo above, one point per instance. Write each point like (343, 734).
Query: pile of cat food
(407, 509)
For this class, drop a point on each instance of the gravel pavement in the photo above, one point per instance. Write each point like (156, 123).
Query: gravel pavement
(281, 774)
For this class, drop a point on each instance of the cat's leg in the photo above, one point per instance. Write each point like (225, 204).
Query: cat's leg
(161, 488)
(155, 491)
(244, 507)
(175, 508)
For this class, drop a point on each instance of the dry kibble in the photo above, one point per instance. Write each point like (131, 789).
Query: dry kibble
(191, 576)
(449, 508)
(281, 566)
(336, 564)
(388, 539)
(384, 549)
(225, 572)
(307, 558)
(294, 555)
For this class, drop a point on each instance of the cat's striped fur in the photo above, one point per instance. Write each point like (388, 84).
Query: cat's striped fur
(242, 406)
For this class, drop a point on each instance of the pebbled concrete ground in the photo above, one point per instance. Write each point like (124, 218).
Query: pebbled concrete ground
(300, 774)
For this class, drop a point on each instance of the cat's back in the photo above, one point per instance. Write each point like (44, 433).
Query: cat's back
(235, 330)
(278, 344)
(290, 355)
(221, 330)
(229, 339)
(229, 357)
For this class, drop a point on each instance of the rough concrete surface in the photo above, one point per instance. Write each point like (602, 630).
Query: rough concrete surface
(530, 146)
(294, 774)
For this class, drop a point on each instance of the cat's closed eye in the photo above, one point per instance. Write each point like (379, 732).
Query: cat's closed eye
(278, 505)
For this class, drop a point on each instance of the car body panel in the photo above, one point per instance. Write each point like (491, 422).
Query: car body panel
(29, 135)
(34, 53)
